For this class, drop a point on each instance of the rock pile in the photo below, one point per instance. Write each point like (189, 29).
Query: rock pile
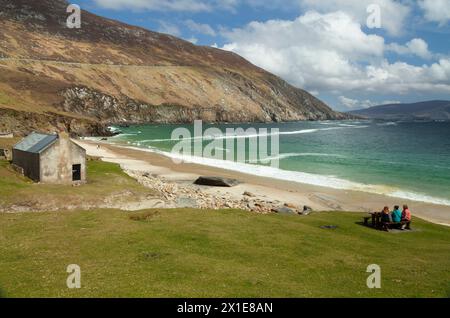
(178, 195)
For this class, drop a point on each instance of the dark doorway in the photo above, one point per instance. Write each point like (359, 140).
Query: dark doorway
(76, 173)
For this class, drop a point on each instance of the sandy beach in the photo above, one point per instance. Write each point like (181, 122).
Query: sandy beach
(162, 169)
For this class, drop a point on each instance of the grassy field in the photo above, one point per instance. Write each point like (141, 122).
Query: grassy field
(191, 253)
(106, 181)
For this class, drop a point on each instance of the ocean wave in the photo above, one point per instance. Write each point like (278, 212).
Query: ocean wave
(127, 134)
(348, 125)
(388, 124)
(280, 133)
(418, 197)
(291, 155)
(302, 177)
(113, 129)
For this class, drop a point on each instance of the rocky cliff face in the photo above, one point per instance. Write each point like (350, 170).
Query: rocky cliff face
(109, 72)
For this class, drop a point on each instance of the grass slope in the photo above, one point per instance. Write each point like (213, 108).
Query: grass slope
(106, 181)
(191, 253)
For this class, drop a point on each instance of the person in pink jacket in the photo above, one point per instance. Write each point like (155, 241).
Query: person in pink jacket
(406, 217)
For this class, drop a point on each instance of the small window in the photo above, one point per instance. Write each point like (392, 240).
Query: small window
(76, 173)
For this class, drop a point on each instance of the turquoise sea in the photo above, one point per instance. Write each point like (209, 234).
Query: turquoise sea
(409, 160)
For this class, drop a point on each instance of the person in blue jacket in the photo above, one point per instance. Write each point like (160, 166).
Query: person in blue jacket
(396, 215)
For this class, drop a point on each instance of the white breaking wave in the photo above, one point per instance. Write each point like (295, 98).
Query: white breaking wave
(113, 129)
(348, 125)
(126, 134)
(302, 177)
(291, 155)
(388, 124)
(280, 133)
(345, 123)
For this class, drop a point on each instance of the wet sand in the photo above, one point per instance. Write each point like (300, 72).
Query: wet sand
(319, 198)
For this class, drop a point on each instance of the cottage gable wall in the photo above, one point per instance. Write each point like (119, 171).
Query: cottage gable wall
(56, 162)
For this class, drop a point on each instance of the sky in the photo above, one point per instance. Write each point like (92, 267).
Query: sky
(351, 54)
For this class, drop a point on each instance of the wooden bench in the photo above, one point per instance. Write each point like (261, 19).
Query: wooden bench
(399, 225)
(377, 223)
(375, 217)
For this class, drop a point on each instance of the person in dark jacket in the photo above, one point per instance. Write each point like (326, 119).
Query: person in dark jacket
(386, 215)
(385, 218)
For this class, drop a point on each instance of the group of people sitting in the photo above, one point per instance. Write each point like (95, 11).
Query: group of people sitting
(401, 219)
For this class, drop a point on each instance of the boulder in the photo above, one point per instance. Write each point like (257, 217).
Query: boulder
(216, 182)
(248, 194)
(307, 210)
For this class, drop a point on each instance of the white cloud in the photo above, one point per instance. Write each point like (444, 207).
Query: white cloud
(402, 78)
(157, 5)
(193, 40)
(229, 5)
(351, 104)
(330, 52)
(393, 13)
(200, 28)
(314, 51)
(169, 5)
(436, 10)
(416, 47)
(169, 28)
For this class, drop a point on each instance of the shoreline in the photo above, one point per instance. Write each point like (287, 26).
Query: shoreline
(319, 198)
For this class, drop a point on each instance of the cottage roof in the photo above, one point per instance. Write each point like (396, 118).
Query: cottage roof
(36, 142)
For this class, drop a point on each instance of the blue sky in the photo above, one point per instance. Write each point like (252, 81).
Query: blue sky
(326, 47)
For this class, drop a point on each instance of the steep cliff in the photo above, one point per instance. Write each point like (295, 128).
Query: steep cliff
(109, 72)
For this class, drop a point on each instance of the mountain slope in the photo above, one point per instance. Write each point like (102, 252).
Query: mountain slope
(429, 110)
(109, 72)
